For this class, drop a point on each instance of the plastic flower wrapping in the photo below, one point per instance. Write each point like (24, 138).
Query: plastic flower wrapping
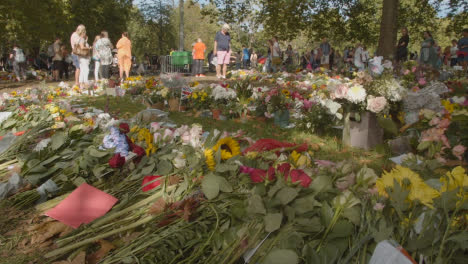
(116, 140)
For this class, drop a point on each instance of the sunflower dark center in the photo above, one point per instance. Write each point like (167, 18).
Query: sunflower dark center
(226, 148)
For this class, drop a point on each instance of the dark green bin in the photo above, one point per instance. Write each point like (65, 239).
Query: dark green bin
(180, 58)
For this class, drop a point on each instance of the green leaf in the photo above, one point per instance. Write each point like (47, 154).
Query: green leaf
(305, 204)
(388, 125)
(461, 239)
(256, 205)
(96, 153)
(286, 195)
(273, 221)
(310, 225)
(164, 167)
(424, 145)
(322, 183)
(58, 139)
(210, 187)
(148, 170)
(342, 228)
(353, 214)
(281, 256)
(224, 185)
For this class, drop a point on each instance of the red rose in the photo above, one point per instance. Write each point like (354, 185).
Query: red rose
(258, 176)
(300, 176)
(284, 169)
(146, 187)
(124, 128)
(117, 161)
(138, 150)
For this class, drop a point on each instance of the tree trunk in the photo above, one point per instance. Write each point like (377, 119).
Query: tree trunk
(181, 25)
(388, 29)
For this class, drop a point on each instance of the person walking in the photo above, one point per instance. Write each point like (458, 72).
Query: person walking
(74, 39)
(275, 55)
(245, 57)
(453, 53)
(428, 52)
(326, 49)
(253, 59)
(84, 58)
(332, 58)
(358, 58)
(66, 61)
(19, 62)
(365, 56)
(463, 50)
(57, 59)
(289, 55)
(222, 47)
(402, 48)
(104, 53)
(199, 50)
(124, 55)
(96, 58)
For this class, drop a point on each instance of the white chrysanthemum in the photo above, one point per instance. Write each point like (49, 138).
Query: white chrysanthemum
(42, 144)
(220, 92)
(356, 94)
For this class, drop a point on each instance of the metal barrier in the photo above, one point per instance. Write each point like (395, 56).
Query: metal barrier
(168, 67)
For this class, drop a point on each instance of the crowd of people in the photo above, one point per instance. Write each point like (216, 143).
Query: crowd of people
(81, 55)
(101, 54)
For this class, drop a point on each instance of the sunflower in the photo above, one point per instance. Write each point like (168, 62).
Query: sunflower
(229, 148)
(210, 162)
(285, 92)
(409, 180)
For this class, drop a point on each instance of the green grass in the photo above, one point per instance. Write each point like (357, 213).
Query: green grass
(330, 145)
(116, 106)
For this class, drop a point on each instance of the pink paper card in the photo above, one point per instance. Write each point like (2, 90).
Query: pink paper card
(82, 206)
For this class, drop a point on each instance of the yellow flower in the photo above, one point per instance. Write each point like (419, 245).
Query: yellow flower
(456, 179)
(251, 154)
(229, 148)
(210, 162)
(295, 156)
(448, 106)
(285, 92)
(409, 180)
(194, 95)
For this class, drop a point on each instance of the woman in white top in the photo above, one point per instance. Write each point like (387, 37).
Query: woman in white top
(84, 60)
(96, 59)
(275, 55)
(358, 60)
(453, 53)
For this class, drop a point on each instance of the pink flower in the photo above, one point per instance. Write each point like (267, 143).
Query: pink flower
(284, 169)
(341, 91)
(267, 99)
(307, 104)
(406, 72)
(415, 88)
(414, 69)
(379, 206)
(155, 126)
(324, 163)
(434, 122)
(422, 81)
(458, 151)
(157, 136)
(377, 104)
(445, 123)
(168, 134)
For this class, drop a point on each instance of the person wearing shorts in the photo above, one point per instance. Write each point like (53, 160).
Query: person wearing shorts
(74, 40)
(124, 55)
(222, 46)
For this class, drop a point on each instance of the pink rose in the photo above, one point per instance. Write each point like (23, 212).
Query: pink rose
(444, 123)
(458, 151)
(406, 72)
(434, 122)
(376, 104)
(379, 206)
(414, 69)
(341, 91)
(422, 81)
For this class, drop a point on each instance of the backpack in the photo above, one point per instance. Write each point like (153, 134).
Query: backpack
(19, 55)
(51, 51)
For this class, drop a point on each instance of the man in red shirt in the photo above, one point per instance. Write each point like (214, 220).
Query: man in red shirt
(199, 57)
